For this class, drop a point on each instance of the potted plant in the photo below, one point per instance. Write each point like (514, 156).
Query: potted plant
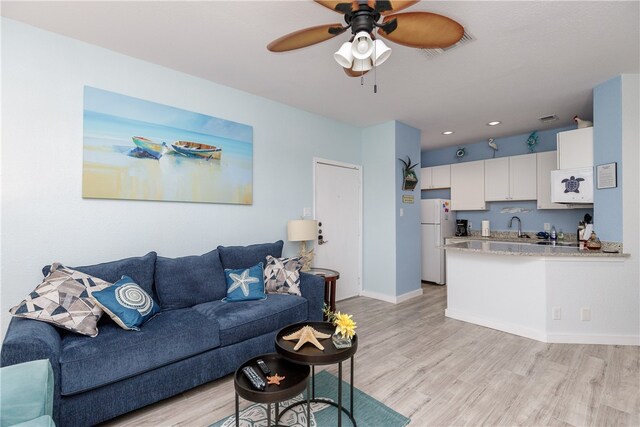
(409, 177)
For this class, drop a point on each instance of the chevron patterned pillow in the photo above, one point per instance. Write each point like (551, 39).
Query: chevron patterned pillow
(282, 275)
(62, 299)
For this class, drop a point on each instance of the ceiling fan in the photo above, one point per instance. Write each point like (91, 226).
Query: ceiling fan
(363, 51)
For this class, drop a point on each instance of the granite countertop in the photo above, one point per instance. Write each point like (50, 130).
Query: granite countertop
(520, 248)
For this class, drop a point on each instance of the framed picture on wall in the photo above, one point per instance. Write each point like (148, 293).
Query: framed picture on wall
(141, 150)
(607, 175)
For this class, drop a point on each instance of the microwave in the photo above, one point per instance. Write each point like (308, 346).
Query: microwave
(572, 185)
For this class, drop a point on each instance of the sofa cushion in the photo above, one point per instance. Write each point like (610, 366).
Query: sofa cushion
(140, 269)
(126, 303)
(116, 354)
(243, 320)
(282, 275)
(245, 284)
(63, 299)
(246, 256)
(190, 280)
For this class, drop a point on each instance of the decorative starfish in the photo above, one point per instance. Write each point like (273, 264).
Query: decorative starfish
(242, 281)
(307, 335)
(274, 379)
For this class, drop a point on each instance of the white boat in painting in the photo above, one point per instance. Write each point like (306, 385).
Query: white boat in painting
(151, 147)
(197, 149)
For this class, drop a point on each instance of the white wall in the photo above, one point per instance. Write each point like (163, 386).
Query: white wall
(631, 183)
(44, 217)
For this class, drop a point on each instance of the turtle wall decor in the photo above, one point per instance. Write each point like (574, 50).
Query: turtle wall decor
(572, 184)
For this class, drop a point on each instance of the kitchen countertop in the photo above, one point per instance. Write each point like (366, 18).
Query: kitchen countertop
(520, 248)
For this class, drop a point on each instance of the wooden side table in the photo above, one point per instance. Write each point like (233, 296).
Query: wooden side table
(330, 278)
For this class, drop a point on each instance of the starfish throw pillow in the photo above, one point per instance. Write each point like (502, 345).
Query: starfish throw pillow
(245, 284)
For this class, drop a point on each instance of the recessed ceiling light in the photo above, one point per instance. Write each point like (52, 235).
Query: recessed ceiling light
(493, 123)
(447, 132)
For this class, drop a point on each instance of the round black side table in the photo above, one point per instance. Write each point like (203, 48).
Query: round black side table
(310, 355)
(295, 382)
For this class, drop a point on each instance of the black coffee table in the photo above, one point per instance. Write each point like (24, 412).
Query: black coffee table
(310, 355)
(295, 382)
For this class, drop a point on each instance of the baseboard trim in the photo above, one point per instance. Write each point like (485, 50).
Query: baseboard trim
(392, 299)
(511, 328)
(554, 338)
(594, 339)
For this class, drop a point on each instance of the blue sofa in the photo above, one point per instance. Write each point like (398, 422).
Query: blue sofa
(195, 339)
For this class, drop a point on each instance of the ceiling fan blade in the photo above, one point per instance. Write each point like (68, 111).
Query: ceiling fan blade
(349, 72)
(422, 30)
(339, 6)
(306, 37)
(387, 7)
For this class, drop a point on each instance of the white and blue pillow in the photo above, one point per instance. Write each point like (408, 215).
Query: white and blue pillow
(245, 284)
(126, 303)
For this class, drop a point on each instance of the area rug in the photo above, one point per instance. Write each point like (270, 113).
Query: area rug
(368, 411)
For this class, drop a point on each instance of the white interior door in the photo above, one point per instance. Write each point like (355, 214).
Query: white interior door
(338, 207)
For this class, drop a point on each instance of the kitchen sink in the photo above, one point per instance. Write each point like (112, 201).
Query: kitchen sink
(546, 242)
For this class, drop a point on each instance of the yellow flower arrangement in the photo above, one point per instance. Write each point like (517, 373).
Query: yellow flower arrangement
(344, 325)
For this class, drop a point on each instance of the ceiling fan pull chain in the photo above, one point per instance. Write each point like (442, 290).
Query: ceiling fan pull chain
(375, 73)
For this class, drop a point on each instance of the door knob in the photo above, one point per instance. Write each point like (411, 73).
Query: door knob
(321, 241)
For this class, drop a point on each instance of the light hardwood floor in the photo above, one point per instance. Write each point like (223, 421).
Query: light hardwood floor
(439, 371)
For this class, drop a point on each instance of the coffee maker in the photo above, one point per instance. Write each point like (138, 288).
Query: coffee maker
(462, 227)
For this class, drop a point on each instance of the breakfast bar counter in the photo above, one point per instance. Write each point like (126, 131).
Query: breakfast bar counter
(557, 294)
(529, 249)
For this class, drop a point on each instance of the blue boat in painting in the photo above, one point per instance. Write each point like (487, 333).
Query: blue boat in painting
(156, 150)
(197, 149)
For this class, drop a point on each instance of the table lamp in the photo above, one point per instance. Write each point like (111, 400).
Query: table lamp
(301, 230)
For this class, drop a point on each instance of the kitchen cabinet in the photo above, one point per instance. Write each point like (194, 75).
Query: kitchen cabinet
(467, 186)
(575, 148)
(510, 178)
(435, 177)
(546, 162)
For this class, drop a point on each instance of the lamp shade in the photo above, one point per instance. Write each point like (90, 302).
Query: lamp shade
(299, 230)
(343, 56)
(382, 52)
(362, 46)
(362, 65)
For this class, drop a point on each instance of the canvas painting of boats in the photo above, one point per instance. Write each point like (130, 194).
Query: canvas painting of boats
(141, 150)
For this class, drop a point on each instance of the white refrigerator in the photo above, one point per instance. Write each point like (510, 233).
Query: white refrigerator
(438, 223)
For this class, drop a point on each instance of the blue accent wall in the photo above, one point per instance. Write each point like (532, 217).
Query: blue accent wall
(532, 221)
(379, 187)
(408, 241)
(607, 148)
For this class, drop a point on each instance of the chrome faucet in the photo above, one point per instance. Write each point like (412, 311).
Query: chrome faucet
(519, 225)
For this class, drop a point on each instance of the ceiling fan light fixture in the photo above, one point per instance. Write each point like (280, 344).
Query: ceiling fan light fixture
(361, 65)
(382, 52)
(362, 46)
(343, 56)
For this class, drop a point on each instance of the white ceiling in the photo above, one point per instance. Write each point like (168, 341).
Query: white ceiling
(529, 59)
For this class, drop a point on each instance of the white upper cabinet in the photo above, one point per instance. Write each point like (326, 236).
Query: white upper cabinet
(575, 148)
(467, 186)
(510, 178)
(546, 162)
(435, 177)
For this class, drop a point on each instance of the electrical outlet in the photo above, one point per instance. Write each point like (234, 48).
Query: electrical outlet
(547, 227)
(470, 224)
(556, 313)
(401, 211)
(306, 212)
(585, 314)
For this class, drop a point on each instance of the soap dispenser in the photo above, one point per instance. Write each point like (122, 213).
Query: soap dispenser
(554, 235)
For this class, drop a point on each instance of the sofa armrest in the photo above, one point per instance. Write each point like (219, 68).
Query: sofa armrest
(312, 288)
(28, 340)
